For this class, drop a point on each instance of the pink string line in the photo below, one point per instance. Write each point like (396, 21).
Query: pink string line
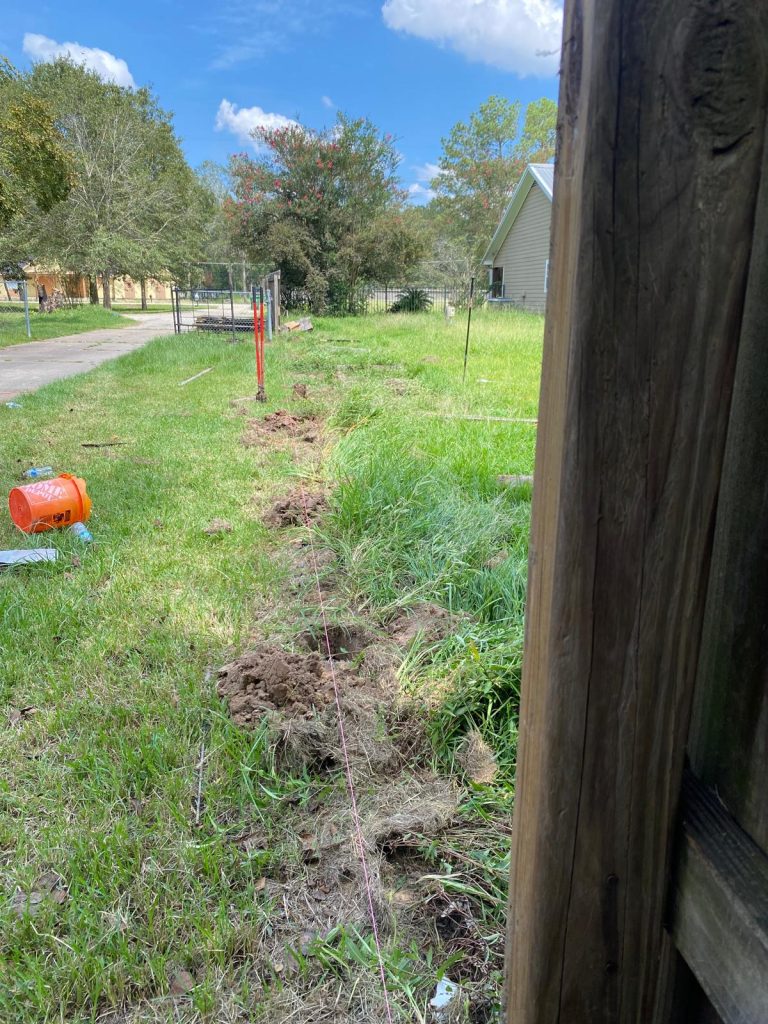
(360, 842)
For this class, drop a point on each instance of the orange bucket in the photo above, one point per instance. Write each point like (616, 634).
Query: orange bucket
(48, 504)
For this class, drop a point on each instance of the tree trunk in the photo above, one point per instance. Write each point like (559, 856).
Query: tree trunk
(107, 296)
(143, 285)
(93, 290)
(7, 293)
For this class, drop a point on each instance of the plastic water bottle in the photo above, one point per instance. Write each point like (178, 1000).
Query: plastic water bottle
(37, 471)
(82, 532)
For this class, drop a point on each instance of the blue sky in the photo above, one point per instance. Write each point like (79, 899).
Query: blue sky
(414, 67)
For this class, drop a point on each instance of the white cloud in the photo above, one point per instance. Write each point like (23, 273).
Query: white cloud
(515, 35)
(426, 172)
(327, 102)
(243, 121)
(106, 65)
(420, 194)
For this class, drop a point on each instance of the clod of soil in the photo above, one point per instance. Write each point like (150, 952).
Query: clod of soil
(281, 423)
(296, 509)
(343, 642)
(429, 621)
(272, 680)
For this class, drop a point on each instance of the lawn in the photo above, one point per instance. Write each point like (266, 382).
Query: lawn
(155, 858)
(70, 320)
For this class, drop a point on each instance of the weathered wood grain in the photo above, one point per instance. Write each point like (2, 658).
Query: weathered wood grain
(721, 908)
(728, 742)
(662, 128)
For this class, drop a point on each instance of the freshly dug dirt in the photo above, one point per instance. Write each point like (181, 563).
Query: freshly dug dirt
(281, 423)
(429, 621)
(296, 692)
(296, 508)
(345, 641)
(272, 680)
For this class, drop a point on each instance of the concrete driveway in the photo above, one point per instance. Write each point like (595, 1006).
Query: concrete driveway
(30, 366)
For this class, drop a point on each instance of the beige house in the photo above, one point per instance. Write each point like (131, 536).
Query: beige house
(75, 286)
(518, 256)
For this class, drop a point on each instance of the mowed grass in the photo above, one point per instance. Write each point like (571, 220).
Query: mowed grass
(106, 692)
(69, 320)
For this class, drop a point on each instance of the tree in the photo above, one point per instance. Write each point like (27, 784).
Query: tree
(481, 163)
(34, 166)
(325, 207)
(537, 143)
(135, 205)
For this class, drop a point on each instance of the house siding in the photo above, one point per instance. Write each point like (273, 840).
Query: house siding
(525, 251)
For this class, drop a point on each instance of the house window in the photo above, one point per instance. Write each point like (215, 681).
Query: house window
(546, 276)
(497, 283)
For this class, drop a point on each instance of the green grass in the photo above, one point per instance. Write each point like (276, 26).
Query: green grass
(70, 320)
(112, 646)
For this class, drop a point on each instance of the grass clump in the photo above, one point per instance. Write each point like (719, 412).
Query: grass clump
(61, 322)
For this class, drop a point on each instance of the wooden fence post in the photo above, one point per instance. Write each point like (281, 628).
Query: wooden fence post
(662, 129)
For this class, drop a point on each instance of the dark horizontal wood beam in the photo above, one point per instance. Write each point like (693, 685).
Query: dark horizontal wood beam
(720, 920)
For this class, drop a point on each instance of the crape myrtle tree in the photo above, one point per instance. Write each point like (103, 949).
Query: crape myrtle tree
(326, 208)
(482, 161)
(135, 206)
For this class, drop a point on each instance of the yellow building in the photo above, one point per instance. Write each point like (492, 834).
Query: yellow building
(75, 286)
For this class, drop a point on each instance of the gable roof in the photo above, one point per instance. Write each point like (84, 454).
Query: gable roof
(542, 175)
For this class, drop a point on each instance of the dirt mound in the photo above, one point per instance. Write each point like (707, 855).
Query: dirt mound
(296, 509)
(274, 680)
(428, 621)
(297, 694)
(281, 423)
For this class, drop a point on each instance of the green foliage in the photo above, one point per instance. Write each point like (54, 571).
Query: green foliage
(481, 163)
(537, 144)
(324, 207)
(135, 206)
(35, 169)
(413, 300)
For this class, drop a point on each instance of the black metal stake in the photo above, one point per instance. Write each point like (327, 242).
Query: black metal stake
(469, 321)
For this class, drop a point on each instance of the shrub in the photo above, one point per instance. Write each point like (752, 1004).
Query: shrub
(413, 300)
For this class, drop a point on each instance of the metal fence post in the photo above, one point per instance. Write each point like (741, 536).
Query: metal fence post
(231, 302)
(26, 308)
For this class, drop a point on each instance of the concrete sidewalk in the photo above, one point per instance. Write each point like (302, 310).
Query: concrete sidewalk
(30, 366)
